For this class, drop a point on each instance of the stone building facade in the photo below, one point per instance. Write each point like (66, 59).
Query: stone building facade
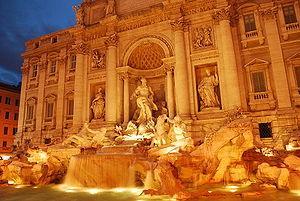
(200, 57)
(9, 113)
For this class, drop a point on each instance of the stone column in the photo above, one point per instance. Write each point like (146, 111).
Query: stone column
(61, 91)
(278, 66)
(181, 73)
(111, 80)
(120, 98)
(41, 91)
(81, 49)
(229, 67)
(22, 107)
(126, 98)
(170, 91)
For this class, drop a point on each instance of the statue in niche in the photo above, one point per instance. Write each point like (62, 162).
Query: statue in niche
(202, 37)
(98, 59)
(98, 104)
(206, 90)
(110, 8)
(79, 15)
(144, 101)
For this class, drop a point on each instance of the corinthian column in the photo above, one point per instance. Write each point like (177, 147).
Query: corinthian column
(181, 73)
(40, 101)
(111, 80)
(170, 91)
(126, 98)
(81, 50)
(60, 90)
(22, 107)
(278, 66)
(229, 67)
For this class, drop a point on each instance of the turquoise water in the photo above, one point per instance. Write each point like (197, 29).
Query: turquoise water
(52, 193)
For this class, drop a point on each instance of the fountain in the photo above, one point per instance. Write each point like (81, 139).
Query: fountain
(159, 156)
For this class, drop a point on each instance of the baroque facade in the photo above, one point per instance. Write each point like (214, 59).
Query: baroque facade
(200, 57)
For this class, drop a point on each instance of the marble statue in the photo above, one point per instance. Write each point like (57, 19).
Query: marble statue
(144, 101)
(110, 8)
(98, 105)
(206, 90)
(161, 130)
(79, 15)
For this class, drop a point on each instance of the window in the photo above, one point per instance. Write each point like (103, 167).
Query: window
(36, 44)
(49, 110)
(289, 14)
(7, 100)
(4, 144)
(6, 115)
(16, 116)
(249, 21)
(265, 130)
(29, 114)
(258, 82)
(17, 103)
(54, 39)
(0, 99)
(52, 67)
(73, 62)
(297, 73)
(47, 140)
(15, 130)
(70, 107)
(34, 70)
(5, 130)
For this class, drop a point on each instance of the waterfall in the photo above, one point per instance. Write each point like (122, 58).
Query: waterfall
(101, 171)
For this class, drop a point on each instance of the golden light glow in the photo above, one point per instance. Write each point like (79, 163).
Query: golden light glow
(296, 192)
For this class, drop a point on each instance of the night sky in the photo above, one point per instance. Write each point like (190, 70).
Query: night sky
(22, 20)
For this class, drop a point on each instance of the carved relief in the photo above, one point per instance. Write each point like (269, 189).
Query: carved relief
(98, 59)
(202, 37)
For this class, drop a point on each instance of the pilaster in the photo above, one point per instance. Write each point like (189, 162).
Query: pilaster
(278, 66)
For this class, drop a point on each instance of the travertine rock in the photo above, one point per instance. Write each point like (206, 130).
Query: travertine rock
(293, 162)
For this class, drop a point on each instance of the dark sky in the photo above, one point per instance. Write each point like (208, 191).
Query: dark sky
(22, 20)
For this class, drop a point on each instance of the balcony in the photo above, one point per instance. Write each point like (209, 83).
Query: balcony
(261, 101)
(252, 38)
(290, 29)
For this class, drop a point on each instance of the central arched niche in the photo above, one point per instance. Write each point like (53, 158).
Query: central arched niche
(146, 56)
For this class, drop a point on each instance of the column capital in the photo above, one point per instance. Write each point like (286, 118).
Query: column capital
(112, 40)
(81, 48)
(221, 14)
(269, 13)
(25, 68)
(168, 68)
(43, 64)
(180, 24)
(125, 76)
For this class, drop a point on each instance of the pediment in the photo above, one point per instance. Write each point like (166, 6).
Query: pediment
(257, 61)
(294, 57)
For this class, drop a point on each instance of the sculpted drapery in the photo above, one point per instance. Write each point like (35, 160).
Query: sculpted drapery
(144, 101)
(206, 90)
